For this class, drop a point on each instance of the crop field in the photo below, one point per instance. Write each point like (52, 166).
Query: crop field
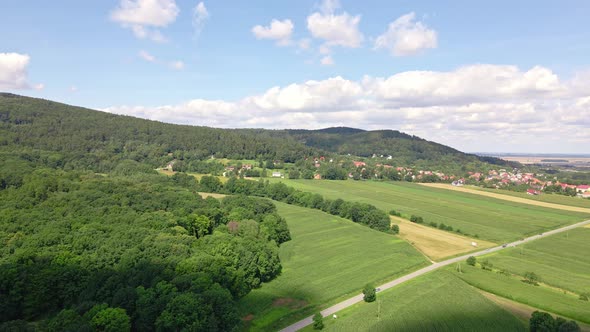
(547, 200)
(489, 218)
(328, 259)
(434, 302)
(511, 287)
(561, 260)
(435, 243)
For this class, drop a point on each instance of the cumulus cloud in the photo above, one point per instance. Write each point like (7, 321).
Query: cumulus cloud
(473, 107)
(277, 30)
(144, 17)
(146, 56)
(13, 71)
(200, 16)
(406, 37)
(335, 29)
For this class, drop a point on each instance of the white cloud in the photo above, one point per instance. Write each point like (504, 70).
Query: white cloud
(336, 30)
(146, 56)
(477, 107)
(200, 16)
(13, 71)
(176, 65)
(304, 44)
(144, 17)
(277, 30)
(327, 61)
(73, 88)
(406, 37)
(39, 86)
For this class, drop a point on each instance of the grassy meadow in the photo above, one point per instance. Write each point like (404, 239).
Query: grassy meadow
(511, 287)
(437, 301)
(561, 260)
(491, 219)
(327, 260)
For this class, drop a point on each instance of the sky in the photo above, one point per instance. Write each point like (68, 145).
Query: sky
(495, 76)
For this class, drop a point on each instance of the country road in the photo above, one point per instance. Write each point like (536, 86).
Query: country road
(358, 298)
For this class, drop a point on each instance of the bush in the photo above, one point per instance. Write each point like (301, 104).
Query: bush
(471, 260)
(318, 321)
(416, 219)
(369, 293)
(584, 296)
(486, 265)
(433, 224)
(531, 278)
(395, 229)
(394, 213)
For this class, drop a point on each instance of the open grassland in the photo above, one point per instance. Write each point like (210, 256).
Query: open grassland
(561, 202)
(561, 260)
(435, 243)
(511, 287)
(492, 219)
(218, 196)
(328, 259)
(434, 302)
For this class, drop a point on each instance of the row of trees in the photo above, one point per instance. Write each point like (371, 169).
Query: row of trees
(128, 250)
(363, 213)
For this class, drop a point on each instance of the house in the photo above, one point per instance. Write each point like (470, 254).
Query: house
(276, 174)
(247, 166)
(583, 188)
(533, 192)
(586, 194)
(359, 163)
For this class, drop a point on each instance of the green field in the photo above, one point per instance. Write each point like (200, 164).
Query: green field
(328, 259)
(562, 262)
(434, 302)
(548, 198)
(491, 219)
(510, 287)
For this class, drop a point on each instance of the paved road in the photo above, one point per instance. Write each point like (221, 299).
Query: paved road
(353, 300)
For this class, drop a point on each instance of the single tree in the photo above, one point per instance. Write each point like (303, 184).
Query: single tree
(369, 293)
(569, 326)
(318, 321)
(531, 278)
(471, 260)
(541, 322)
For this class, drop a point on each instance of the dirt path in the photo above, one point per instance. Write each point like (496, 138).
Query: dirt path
(434, 243)
(507, 197)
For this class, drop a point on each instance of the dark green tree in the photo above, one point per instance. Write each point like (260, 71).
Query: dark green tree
(471, 260)
(318, 321)
(369, 293)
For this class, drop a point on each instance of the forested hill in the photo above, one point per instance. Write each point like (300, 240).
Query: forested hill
(88, 139)
(85, 138)
(405, 149)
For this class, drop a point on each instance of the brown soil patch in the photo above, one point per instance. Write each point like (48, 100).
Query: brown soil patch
(435, 243)
(289, 303)
(507, 198)
(248, 318)
(520, 310)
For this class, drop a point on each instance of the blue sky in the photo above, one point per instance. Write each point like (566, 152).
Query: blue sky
(531, 58)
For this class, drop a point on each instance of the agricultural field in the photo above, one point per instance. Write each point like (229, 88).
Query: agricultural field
(511, 287)
(328, 259)
(487, 218)
(437, 301)
(435, 243)
(561, 260)
(548, 200)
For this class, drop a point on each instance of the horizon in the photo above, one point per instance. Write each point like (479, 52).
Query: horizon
(422, 68)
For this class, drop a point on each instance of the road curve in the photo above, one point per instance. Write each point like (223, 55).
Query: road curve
(358, 298)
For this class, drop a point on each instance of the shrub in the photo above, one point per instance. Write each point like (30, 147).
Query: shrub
(369, 293)
(471, 260)
(318, 321)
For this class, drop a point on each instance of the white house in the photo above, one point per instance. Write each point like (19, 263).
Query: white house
(276, 174)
